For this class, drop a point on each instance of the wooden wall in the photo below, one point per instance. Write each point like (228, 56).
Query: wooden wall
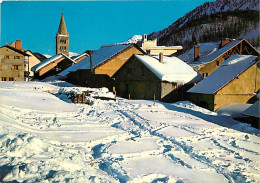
(136, 79)
(112, 65)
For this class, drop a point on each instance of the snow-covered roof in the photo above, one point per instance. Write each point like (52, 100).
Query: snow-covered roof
(99, 56)
(253, 110)
(205, 50)
(219, 52)
(208, 52)
(230, 69)
(171, 70)
(79, 56)
(48, 61)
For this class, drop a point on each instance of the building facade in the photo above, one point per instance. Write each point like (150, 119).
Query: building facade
(236, 81)
(148, 77)
(13, 65)
(228, 48)
(62, 38)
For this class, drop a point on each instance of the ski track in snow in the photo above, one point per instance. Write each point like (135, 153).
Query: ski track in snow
(122, 141)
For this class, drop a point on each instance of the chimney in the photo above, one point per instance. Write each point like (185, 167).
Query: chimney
(18, 44)
(196, 52)
(224, 42)
(90, 52)
(161, 57)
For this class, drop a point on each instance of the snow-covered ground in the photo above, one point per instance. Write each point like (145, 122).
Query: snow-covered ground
(45, 139)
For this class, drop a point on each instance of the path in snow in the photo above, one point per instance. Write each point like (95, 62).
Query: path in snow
(125, 141)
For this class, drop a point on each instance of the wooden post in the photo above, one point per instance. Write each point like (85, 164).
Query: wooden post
(153, 99)
(115, 94)
(129, 96)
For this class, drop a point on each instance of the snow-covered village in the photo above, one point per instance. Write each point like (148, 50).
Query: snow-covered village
(177, 105)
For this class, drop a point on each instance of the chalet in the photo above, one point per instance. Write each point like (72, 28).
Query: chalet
(162, 77)
(236, 81)
(207, 57)
(96, 70)
(13, 63)
(52, 66)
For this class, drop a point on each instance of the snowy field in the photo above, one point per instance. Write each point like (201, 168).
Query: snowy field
(45, 138)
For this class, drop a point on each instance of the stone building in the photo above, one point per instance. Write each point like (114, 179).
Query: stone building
(14, 62)
(207, 57)
(145, 77)
(34, 59)
(97, 69)
(62, 38)
(236, 81)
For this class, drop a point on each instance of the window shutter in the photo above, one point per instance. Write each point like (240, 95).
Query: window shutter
(12, 68)
(19, 67)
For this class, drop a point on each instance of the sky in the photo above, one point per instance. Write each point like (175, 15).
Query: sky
(90, 24)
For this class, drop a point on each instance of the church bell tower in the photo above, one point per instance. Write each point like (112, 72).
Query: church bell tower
(62, 38)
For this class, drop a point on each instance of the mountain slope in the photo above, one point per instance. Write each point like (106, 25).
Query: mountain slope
(213, 21)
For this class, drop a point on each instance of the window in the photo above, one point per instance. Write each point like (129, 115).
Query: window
(3, 78)
(63, 48)
(11, 79)
(217, 63)
(62, 41)
(16, 57)
(7, 57)
(16, 67)
(207, 74)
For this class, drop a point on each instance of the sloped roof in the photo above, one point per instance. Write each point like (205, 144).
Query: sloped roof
(38, 55)
(171, 70)
(219, 52)
(253, 110)
(208, 52)
(48, 61)
(205, 50)
(79, 56)
(62, 27)
(16, 50)
(229, 70)
(98, 57)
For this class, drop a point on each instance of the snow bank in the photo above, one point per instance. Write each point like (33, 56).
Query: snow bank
(119, 141)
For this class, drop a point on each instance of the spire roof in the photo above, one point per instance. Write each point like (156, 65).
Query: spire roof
(62, 28)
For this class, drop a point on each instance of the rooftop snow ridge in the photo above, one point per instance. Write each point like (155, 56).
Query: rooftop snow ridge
(171, 70)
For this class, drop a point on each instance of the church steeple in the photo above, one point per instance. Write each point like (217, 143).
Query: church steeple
(62, 38)
(62, 28)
